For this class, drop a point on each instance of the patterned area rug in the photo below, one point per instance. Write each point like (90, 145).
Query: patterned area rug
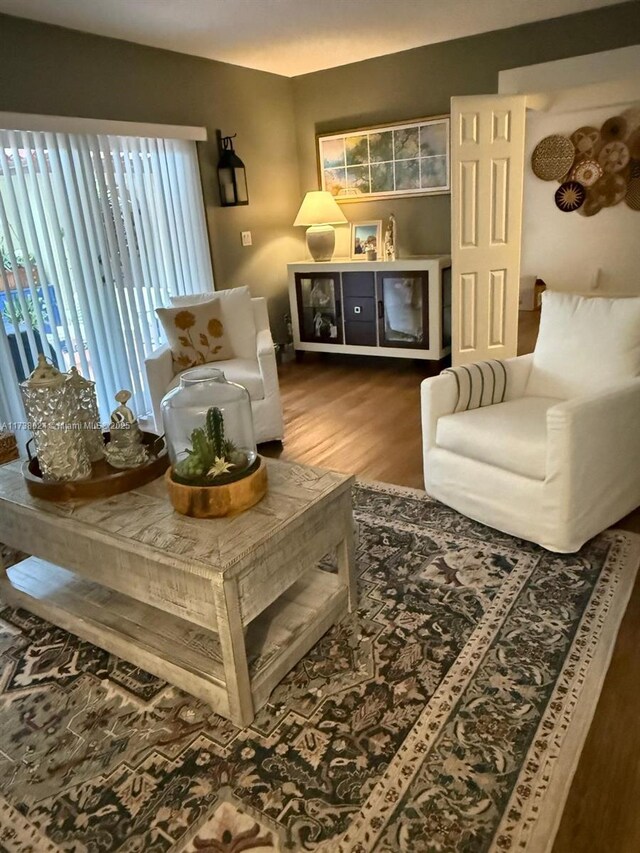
(446, 715)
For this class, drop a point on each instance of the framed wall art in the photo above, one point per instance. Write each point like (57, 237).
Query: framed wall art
(393, 160)
(365, 237)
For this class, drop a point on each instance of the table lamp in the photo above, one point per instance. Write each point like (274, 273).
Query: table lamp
(320, 212)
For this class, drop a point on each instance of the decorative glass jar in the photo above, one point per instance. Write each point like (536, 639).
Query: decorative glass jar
(209, 429)
(51, 405)
(87, 414)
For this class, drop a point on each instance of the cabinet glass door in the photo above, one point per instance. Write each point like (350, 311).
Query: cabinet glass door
(446, 307)
(403, 309)
(319, 307)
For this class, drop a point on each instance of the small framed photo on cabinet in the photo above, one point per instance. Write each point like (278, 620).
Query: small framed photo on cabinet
(366, 240)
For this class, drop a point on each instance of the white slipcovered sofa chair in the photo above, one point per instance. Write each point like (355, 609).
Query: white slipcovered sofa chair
(558, 459)
(254, 365)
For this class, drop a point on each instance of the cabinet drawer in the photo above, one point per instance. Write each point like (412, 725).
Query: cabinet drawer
(358, 284)
(360, 334)
(359, 309)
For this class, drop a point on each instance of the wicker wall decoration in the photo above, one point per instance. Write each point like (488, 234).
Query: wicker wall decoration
(553, 157)
(596, 168)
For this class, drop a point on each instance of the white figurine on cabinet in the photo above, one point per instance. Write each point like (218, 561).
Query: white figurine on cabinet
(390, 240)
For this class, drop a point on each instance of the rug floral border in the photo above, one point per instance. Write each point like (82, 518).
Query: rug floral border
(531, 820)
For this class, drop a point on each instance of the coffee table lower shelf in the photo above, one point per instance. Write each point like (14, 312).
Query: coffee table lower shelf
(172, 648)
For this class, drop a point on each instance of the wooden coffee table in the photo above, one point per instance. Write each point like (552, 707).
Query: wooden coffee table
(222, 608)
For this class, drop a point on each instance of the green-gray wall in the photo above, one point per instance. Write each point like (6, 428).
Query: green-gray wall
(56, 71)
(51, 70)
(420, 82)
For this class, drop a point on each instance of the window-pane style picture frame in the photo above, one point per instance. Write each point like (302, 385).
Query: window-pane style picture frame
(393, 160)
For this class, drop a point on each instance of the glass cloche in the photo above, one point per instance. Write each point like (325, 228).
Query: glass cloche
(209, 429)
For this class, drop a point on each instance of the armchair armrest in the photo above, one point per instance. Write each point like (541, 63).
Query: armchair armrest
(593, 449)
(438, 397)
(266, 354)
(159, 370)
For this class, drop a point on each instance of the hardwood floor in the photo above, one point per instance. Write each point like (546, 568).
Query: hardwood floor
(362, 416)
(357, 416)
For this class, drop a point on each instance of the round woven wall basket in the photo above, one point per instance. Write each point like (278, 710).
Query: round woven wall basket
(614, 129)
(613, 157)
(609, 190)
(632, 198)
(553, 157)
(570, 196)
(586, 172)
(586, 140)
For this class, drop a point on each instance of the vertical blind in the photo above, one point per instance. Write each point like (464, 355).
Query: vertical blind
(96, 232)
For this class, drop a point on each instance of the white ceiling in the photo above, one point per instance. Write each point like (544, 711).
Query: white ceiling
(292, 37)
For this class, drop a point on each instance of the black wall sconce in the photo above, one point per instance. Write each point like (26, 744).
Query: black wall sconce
(232, 178)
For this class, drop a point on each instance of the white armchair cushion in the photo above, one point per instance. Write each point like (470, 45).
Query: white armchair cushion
(585, 344)
(237, 316)
(511, 435)
(243, 371)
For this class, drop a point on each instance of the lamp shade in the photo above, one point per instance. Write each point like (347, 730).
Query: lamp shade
(319, 208)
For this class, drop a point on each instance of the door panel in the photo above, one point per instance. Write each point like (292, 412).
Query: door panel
(319, 307)
(360, 334)
(487, 154)
(403, 309)
(359, 310)
(358, 284)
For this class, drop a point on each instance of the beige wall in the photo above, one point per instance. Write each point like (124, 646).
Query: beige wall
(420, 82)
(56, 71)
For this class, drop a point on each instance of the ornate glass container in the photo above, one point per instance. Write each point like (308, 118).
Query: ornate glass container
(87, 414)
(51, 405)
(209, 429)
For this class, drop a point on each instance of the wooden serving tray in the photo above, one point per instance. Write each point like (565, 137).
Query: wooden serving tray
(105, 481)
(8, 447)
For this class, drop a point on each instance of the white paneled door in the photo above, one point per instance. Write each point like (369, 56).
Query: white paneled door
(487, 163)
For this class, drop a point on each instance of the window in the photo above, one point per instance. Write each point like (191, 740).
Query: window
(96, 231)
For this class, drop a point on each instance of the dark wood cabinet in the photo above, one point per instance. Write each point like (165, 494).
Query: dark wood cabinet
(446, 307)
(359, 292)
(391, 308)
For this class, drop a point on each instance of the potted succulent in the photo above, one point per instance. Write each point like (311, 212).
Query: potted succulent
(214, 477)
(212, 459)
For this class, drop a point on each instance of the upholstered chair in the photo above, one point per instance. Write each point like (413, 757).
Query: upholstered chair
(254, 363)
(553, 454)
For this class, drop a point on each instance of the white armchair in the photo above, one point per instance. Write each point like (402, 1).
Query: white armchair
(559, 460)
(258, 374)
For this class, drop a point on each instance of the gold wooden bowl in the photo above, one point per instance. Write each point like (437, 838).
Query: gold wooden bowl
(218, 501)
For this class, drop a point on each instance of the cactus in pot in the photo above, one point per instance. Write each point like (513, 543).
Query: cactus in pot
(212, 459)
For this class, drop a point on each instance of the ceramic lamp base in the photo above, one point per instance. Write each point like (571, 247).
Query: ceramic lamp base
(321, 241)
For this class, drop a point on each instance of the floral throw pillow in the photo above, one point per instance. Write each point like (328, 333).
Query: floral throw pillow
(196, 335)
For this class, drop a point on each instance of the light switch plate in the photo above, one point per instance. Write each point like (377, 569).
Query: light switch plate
(245, 236)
